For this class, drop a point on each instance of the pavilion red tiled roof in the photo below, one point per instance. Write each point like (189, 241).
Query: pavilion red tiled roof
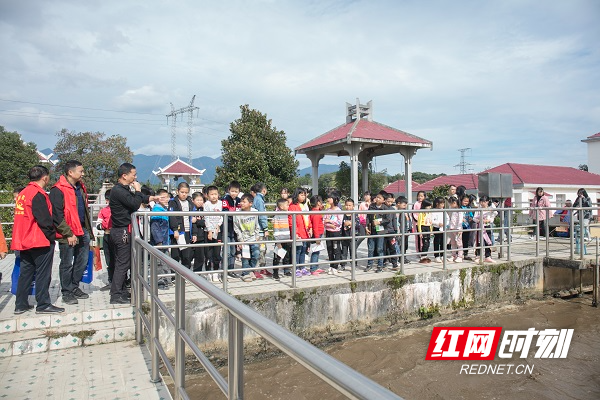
(593, 138)
(597, 135)
(547, 175)
(399, 186)
(365, 131)
(469, 181)
(179, 167)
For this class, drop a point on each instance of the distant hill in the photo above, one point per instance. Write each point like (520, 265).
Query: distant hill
(146, 164)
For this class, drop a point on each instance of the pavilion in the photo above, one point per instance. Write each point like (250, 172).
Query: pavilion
(180, 169)
(361, 139)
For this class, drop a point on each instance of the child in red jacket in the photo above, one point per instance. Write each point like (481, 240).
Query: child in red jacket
(302, 222)
(316, 221)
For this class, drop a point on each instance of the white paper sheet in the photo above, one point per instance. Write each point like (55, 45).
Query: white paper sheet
(245, 251)
(281, 252)
(181, 240)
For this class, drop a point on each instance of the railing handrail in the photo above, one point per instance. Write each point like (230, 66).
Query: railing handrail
(334, 372)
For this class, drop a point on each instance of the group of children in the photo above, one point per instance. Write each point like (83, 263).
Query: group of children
(382, 227)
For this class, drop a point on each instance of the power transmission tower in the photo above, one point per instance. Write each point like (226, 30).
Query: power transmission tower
(190, 110)
(463, 164)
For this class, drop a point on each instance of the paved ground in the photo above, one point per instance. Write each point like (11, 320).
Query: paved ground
(109, 371)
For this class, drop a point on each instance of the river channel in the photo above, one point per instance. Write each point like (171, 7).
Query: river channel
(395, 358)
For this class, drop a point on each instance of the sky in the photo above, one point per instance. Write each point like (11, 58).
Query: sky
(515, 81)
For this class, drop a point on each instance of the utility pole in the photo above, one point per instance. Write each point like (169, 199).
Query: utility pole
(463, 164)
(190, 110)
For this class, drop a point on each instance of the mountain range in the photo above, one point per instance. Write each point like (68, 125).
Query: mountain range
(146, 164)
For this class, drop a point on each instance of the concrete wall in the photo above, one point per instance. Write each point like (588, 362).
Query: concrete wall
(329, 309)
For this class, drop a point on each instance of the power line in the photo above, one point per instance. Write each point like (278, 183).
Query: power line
(80, 108)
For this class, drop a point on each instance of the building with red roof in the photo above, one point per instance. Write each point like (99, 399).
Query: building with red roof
(469, 181)
(398, 187)
(561, 183)
(361, 139)
(593, 147)
(179, 169)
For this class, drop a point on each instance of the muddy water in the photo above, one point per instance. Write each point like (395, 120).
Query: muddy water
(396, 360)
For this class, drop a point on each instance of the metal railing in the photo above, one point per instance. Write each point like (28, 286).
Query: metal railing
(335, 373)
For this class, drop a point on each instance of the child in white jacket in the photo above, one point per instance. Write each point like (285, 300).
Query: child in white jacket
(455, 229)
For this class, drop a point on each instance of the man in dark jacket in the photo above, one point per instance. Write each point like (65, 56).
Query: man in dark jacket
(73, 229)
(125, 199)
(33, 235)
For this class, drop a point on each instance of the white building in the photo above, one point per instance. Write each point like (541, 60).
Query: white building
(593, 145)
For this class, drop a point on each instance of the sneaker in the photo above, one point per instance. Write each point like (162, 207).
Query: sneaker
(265, 272)
(369, 267)
(22, 310)
(305, 271)
(162, 285)
(246, 278)
(298, 273)
(276, 276)
(489, 260)
(119, 300)
(438, 260)
(233, 275)
(338, 270)
(50, 310)
(105, 288)
(379, 269)
(257, 275)
(458, 260)
(69, 298)
(319, 270)
(341, 268)
(315, 273)
(406, 260)
(467, 258)
(80, 294)
(423, 261)
(476, 260)
(330, 271)
(287, 273)
(395, 268)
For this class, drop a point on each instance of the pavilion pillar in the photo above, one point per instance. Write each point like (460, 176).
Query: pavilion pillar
(408, 154)
(314, 160)
(364, 162)
(355, 149)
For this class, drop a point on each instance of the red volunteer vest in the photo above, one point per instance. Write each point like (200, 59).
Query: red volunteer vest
(70, 210)
(26, 232)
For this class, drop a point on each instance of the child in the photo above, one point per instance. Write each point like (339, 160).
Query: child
(437, 223)
(104, 224)
(404, 225)
(465, 204)
(181, 225)
(318, 229)
(485, 216)
(333, 229)
(424, 227)
(231, 202)
(377, 224)
(347, 231)
(198, 232)
(455, 226)
(302, 222)
(259, 205)
(159, 232)
(281, 231)
(364, 206)
(212, 230)
(247, 229)
(390, 244)
(418, 206)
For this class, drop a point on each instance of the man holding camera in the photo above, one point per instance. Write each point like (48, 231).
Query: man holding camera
(125, 199)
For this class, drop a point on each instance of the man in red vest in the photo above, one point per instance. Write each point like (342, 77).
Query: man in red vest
(73, 229)
(33, 235)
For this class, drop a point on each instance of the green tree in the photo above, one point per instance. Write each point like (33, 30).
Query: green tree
(256, 151)
(326, 182)
(304, 180)
(438, 191)
(17, 157)
(377, 180)
(100, 156)
(422, 177)
(583, 167)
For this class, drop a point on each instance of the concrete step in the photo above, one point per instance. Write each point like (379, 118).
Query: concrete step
(61, 336)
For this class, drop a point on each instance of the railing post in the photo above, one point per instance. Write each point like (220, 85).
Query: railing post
(353, 249)
(179, 380)
(145, 254)
(537, 231)
(402, 225)
(572, 234)
(154, 324)
(581, 234)
(225, 261)
(444, 240)
(509, 237)
(236, 358)
(547, 232)
(481, 240)
(293, 258)
(137, 288)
